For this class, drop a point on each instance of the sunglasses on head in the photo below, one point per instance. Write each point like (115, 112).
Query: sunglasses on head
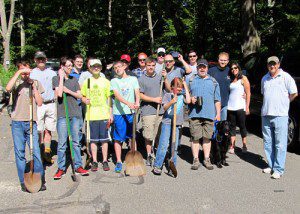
(234, 68)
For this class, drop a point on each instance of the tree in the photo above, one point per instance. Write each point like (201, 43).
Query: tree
(6, 29)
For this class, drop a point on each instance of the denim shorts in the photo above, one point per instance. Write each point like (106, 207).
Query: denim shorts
(99, 132)
(123, 127)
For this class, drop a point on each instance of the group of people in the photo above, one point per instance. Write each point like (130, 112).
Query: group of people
(112, 97)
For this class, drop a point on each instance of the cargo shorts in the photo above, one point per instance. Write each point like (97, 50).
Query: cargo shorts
(201, 127)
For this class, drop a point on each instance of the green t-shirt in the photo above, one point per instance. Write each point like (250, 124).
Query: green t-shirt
(126, 87)
(98, 94)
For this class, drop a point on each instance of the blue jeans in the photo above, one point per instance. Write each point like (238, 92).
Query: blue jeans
(62, 142)
(21, 136)
(224, 113)
(164, 142)
(275, 130)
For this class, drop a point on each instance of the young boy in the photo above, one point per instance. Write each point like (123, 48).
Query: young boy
(169, 100)
(63, 83)
(20, 116)
(126, 91)
(96, 93)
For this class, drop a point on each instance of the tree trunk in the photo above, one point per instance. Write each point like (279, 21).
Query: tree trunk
(22, 31)
(6, 29)
(250, 38)
(109, 14)
(150, 26)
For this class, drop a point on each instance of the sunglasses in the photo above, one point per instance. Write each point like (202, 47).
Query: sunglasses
(234, 68)
(161, 55)
(169, 61)
(191, 56)
(142, 60)
(272, 63)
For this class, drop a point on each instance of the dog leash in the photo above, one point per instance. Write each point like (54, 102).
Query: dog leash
(216, 135)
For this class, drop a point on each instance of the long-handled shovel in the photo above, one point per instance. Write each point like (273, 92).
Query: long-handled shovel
(156, 121)
(135, 165)
(88, 131)
(70, 136)
(171, 161)
(32, 180)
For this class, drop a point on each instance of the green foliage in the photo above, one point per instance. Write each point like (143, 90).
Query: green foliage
(6, 75)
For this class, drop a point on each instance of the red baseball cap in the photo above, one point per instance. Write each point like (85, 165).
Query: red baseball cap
(126, 57)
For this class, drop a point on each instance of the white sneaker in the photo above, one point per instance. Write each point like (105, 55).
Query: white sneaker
(231, 150)
(275, 175)
(267, 170)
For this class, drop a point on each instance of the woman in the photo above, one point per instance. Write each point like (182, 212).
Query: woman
(238, 106)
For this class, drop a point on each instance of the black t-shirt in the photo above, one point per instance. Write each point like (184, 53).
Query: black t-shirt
(74, 109)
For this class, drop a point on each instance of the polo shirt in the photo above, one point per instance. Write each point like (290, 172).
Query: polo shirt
(139, 72)
(276, 91)
(209, 89)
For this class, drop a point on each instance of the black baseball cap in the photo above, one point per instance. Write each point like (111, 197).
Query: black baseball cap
(202, 62)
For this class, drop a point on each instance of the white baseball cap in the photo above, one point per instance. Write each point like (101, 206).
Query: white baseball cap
(95, 62)
(161, 50)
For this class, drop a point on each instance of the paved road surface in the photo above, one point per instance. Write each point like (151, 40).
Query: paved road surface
(239, 188)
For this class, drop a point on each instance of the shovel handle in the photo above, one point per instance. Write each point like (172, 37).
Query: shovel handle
(31, 124)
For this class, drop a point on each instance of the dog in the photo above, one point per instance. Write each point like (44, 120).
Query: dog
(220, 143)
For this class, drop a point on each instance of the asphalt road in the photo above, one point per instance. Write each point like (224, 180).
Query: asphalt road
(238, 188)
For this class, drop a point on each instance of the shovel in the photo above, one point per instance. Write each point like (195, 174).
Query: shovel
(171, 162)
(88, 131)
(32, 180)
(73, 176)
(135, 165)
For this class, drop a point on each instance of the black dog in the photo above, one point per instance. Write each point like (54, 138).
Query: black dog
(220, 144)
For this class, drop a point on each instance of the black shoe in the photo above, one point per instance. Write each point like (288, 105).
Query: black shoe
(43, 187)
(105, 166)
(94, 167)
(23, 188)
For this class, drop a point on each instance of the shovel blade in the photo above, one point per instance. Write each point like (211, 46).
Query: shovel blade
(32, 181)
(173, 168)
(135, 165)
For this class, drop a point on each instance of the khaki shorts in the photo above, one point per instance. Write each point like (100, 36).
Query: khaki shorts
(46, 115)
(149, 123)
(200, 127)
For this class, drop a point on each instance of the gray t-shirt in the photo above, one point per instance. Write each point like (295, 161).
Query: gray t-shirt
(74, 110)
(158, 68)
(176, 72)
(168, 115)
(150, 86)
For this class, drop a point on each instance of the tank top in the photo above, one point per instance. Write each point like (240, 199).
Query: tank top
(236, 100)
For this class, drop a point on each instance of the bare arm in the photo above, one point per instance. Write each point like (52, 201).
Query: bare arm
(137, 97)
(168, 105)
(37, 96)
(59, 90)
(248, 93)
(119, 97)
(76, 94)
(185, 65)
(13, 80)
(292, 96)
(187, 94)
(150, 99)
(218, 110)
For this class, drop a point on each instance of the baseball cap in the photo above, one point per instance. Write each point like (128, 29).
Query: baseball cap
(202, 62)
(95, 62)
(126, 57)
(174, 54)
(273, 59)
(159, 50)
(40, 54)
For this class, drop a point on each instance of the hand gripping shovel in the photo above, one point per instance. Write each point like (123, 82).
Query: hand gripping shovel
(171, 161)
(88, 131)
(135, 165)
(70, 137)
(32, 180)
(156, 120)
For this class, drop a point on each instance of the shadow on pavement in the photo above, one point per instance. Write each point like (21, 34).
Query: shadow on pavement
(254, 159)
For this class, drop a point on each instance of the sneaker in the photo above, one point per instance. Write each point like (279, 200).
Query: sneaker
(59, 174)
(231, 150)
(275, 175)
(156, 171)
(94, 167)
(244, 149)
(149, 160)
(105, 166)
(208, 164)
(267, 170)
(196, 164)
(43, 187)
(118, 167)
(23, 188)
(82, 171)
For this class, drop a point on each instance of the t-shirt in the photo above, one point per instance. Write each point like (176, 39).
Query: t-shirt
(21, 101)
(126, 87)
(45, 78)
(176, 72)
(98, 94)
(150, 86)
(73, 107)
(85, 75)
(158, 67)
(169, 114)
(222, 77)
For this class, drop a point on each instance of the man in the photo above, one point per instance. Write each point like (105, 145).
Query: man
(278, 89)
(46, 113)
(77, 69)
(151, 98)
(204, 109)
(142, 65)
(221, 74)
(161, 52)
(127, 100)
(20, 116)
(126, 59)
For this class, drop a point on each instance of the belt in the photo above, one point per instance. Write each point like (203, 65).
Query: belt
(49, 101)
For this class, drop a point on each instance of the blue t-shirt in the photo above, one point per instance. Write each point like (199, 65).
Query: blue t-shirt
(207, 88)
(176, 72)
(169, 114)
(222, 77)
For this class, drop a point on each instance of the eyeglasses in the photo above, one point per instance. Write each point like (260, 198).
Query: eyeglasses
(169, 61)
(161, 55)
(68, 66)
(142, 60)
(272, 63)
(191, 56)
(234, 68)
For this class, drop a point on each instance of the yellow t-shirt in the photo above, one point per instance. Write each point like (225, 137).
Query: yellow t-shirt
(98, 94)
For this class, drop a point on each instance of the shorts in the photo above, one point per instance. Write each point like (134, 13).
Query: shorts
(98, 131)
(149, 130)
(123, 127)
(46, 115)
(200, 127)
